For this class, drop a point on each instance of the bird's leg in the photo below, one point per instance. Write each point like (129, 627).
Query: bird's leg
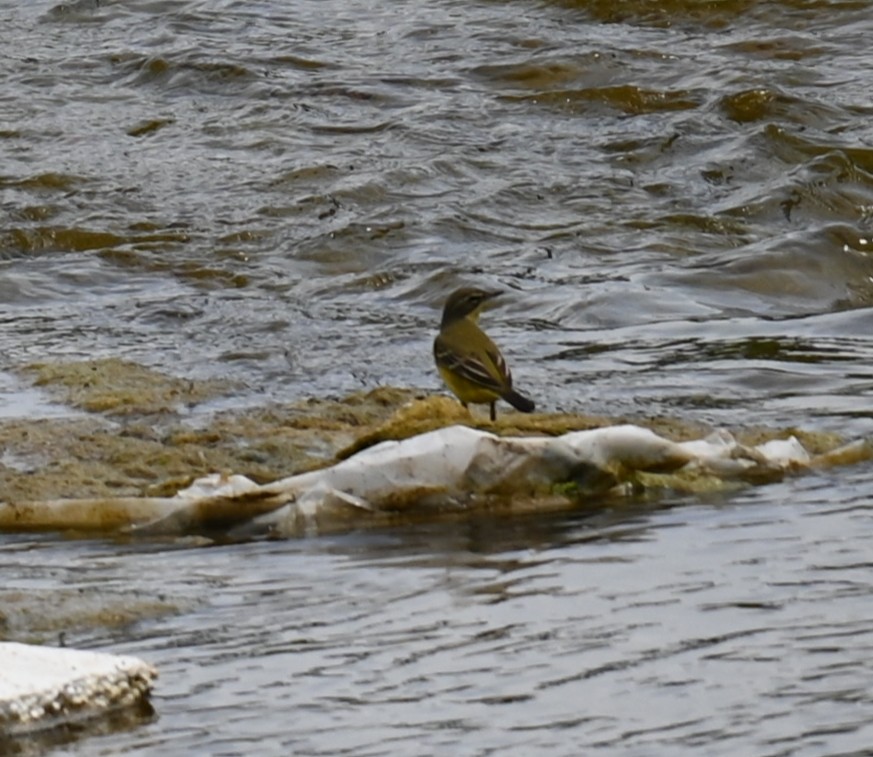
(493, 412)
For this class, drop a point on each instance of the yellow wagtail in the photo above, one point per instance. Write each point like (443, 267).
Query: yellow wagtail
(469, 362)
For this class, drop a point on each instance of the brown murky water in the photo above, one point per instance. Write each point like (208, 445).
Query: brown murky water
(679, 199)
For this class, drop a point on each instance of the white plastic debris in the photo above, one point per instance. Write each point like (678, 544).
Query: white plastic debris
(44, 687)
(721, 455)
(450, 468)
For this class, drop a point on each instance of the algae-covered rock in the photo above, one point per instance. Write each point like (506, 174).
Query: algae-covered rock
(119, 387)
(142, 434)
(42, 616)
(134, 439)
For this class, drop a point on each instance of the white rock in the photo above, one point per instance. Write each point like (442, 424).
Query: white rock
(41, 687)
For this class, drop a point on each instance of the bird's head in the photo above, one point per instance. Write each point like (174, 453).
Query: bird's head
(467, 302)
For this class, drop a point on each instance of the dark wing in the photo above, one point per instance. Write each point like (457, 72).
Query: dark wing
(468, 366)
(501, 367)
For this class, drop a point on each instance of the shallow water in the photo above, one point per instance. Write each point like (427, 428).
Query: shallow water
(678, 198)
(738, 626)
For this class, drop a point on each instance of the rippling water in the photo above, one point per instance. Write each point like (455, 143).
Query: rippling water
(740, 626)
(679, 198)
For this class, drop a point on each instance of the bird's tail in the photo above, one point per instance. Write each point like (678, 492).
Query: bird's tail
(519, 401)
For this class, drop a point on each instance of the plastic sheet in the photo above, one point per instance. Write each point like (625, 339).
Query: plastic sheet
(451, 469)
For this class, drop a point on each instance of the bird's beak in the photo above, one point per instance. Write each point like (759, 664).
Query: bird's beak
(487, 301)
